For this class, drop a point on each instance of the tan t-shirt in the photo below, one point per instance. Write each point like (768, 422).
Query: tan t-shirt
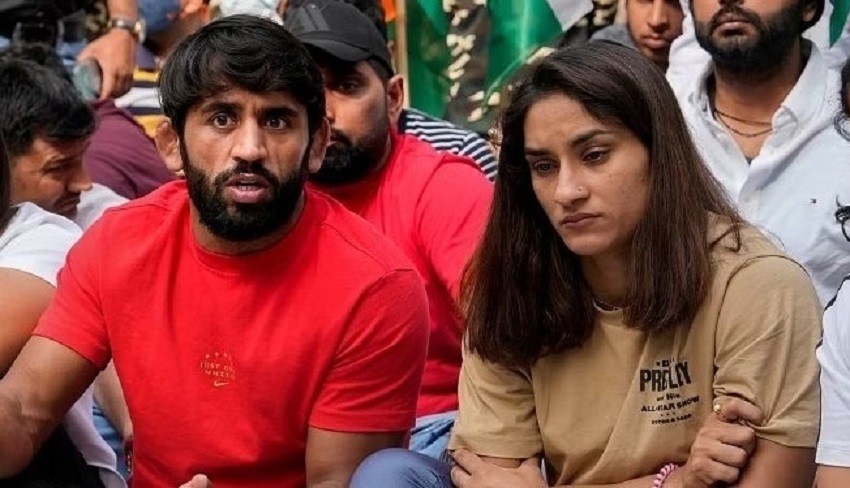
(627, 401)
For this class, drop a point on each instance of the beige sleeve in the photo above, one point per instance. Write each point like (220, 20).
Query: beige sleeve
(767, 332)
(497, 413)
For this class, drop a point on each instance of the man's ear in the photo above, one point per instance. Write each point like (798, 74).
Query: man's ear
(810, 11)
(168, 144)
(321, 138)
(395, 99)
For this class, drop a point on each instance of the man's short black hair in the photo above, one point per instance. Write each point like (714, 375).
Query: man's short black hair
(37, 102)
(240, 51)
(38, 53)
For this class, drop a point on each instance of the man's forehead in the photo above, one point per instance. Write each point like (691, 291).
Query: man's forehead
(244, 99)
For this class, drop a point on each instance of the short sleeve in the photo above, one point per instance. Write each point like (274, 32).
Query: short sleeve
(834, 357)
(75, 317)
(40, 250)
(497, 416)
(768, 329)
(374, 383)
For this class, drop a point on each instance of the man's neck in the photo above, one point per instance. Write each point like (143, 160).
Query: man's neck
(757, 96)
(218, 245)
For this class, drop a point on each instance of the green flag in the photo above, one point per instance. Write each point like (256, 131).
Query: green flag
(840, 11)
(440, 50)
(522, 29)
(428, 55)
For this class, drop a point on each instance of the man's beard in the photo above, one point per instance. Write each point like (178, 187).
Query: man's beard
(237, 222)
(347, 162)
(771, 45)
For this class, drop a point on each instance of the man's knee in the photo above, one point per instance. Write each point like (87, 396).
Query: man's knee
(395, 468)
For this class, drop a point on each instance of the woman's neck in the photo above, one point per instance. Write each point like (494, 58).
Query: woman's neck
(607, 277)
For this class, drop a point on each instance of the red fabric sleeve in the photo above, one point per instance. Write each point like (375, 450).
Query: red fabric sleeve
(451, 215)
(75, 316)
(375, 380)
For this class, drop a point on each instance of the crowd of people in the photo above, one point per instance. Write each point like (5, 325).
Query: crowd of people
(231, 256)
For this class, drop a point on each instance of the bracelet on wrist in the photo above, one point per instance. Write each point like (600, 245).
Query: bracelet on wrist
(663, 474)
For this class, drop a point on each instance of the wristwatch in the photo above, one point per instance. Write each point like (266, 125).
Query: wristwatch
(134, 27)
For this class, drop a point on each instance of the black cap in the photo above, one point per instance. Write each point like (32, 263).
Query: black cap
(338, 29)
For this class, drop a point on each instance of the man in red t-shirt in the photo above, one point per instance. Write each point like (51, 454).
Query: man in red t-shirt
(432, 206)
(263, 334)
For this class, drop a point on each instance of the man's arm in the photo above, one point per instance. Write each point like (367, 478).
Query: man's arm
(115, 51)
(110, 397)
(832, 477)
(42, 384)
(332, 457)
(451, 216)
(25, 297)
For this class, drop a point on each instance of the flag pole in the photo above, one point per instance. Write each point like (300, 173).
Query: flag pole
(401, 47)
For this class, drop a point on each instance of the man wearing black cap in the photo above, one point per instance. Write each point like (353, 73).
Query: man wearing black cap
(433, 206)
(441, 134)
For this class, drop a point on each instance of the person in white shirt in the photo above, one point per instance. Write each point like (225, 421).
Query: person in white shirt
(33, 245)
(760, 106)
(47, 128)
(833, 454)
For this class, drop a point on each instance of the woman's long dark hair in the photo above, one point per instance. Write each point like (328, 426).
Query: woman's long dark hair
(524, 295)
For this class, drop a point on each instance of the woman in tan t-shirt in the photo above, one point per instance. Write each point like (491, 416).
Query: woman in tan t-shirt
(617, 301)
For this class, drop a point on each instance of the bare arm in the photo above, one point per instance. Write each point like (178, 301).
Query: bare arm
(42, 384)
(110, 397)
(779, 466)
(25, 297)
(115, 51)
(832, 477)
(332, 457)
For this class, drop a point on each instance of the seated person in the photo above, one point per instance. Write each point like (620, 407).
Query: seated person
(264, 336)
(46, 152)
(651, 27)
(432, 205)
(619, 312)
(118, 157)
(833, 454)
(441, 134)
(33, 245)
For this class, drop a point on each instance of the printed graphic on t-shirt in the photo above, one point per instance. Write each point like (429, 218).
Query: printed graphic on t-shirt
(664, 386)
(218, 367)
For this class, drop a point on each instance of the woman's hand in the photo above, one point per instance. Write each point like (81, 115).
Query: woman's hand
(473, 472)
(722, 447)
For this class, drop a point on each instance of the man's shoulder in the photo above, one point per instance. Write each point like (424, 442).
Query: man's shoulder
(618, 33)
(350, 241)
(424, 156)
(138, 218)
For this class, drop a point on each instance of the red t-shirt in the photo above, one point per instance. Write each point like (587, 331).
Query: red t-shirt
(226, 360)
(434, 207)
